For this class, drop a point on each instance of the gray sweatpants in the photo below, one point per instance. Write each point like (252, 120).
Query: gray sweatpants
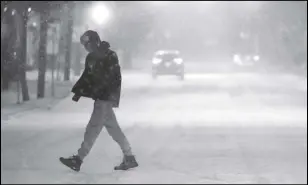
(103, 115)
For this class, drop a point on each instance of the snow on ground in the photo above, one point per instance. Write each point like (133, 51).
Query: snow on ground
(9, 99)
(246, 128)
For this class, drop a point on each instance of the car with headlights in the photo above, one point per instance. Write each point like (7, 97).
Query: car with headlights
(246, 60)
(167, 62)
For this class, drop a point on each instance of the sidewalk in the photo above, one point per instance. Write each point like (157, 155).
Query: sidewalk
(9, 105)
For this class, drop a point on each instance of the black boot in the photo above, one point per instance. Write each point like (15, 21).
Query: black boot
(74, 162)
(127, 163)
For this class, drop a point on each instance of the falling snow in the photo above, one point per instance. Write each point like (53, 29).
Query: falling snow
(233, 108)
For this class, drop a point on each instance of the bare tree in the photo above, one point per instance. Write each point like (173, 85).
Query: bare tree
(68, 47)
(42, 60)
(22, 20)
(17, 66)
(5, 38)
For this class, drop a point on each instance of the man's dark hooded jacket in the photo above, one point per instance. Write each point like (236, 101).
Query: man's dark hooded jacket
(101, 78)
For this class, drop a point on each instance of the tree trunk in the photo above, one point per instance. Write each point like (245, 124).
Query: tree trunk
(20, 21)
(42, 60)
(23, 57)
(4, 70)
(68, 48)
(5, 42)
(5, 79)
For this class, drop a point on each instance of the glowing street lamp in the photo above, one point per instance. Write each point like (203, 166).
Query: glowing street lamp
(100, 14)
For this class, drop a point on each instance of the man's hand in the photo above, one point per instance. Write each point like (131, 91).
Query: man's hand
(76, 98)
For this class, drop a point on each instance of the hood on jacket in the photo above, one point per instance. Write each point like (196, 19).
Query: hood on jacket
(104, 45)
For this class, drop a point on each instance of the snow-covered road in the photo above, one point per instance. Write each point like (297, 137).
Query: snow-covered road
(211, 128)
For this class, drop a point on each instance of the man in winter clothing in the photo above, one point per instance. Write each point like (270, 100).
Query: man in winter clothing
(101, 81)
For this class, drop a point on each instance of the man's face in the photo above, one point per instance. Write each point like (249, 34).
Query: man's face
(90, 46)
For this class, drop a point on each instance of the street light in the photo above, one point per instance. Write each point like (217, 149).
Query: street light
(100, 14)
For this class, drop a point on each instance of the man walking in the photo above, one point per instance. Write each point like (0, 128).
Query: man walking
(101, 81)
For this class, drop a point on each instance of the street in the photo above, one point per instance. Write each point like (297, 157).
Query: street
(210, 128)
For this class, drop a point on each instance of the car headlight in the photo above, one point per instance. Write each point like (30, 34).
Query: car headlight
(237, 59)
(256, 58)
(156, 60)
(178, 60)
